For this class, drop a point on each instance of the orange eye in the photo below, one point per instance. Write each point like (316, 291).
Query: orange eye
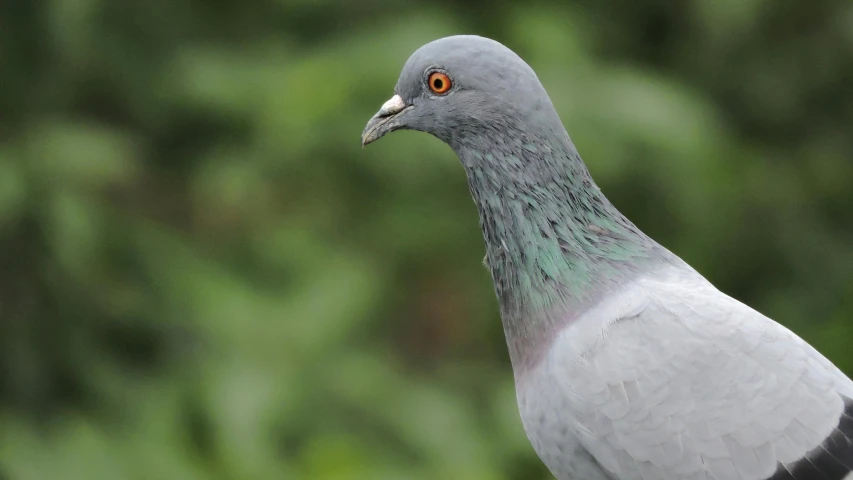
(439, 83)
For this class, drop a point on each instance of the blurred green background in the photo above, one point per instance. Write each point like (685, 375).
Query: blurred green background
(204, 276)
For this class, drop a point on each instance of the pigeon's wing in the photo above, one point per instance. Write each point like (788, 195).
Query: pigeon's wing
(692, 384)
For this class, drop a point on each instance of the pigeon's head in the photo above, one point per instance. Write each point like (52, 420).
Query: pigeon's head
(461, 87)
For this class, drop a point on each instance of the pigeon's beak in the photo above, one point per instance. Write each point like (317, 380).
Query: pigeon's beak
(385, 121)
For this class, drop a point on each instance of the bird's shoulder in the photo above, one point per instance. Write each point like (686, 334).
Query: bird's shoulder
(670, 377)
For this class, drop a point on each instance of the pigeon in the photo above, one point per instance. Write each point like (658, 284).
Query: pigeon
(628, 364)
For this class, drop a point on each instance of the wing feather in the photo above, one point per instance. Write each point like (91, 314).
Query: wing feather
(700, 386)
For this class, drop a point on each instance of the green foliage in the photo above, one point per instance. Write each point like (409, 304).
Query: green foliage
(203, 275)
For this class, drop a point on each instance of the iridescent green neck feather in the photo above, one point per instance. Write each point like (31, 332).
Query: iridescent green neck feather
(554, 243)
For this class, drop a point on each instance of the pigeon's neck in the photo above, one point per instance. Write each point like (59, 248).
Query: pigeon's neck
(554, 243)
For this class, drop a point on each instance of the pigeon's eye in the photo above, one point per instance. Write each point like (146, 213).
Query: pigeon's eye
(439, 83)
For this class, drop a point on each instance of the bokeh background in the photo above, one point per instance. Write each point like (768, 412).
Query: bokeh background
(204, 276)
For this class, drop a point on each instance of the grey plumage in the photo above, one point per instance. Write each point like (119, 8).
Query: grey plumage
(629, 365)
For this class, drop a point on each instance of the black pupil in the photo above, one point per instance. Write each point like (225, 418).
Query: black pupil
(437, 83)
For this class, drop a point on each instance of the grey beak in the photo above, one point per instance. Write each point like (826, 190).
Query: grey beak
(385, 120)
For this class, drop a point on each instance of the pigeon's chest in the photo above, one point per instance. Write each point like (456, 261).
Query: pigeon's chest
(557, 397)
(547, 422)
(550, 404)
(549, 414)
